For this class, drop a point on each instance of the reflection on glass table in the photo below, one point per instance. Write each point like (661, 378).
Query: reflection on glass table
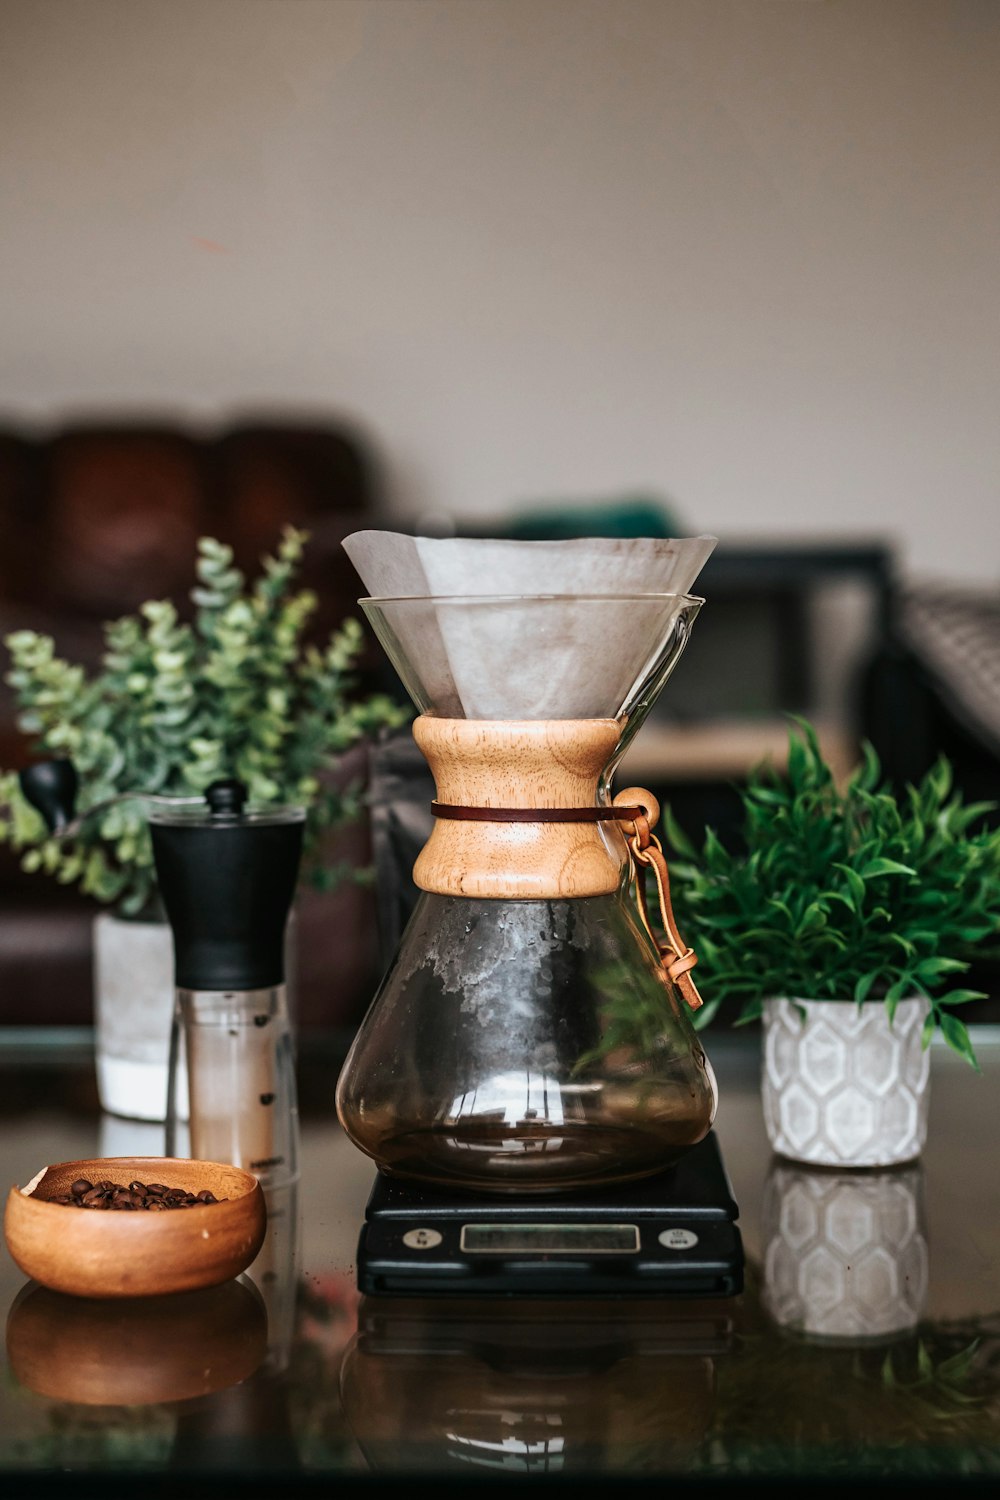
(845, 1253)
(865, 1343)
(521, 1387)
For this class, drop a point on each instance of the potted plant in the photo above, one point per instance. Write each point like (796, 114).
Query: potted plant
(236, 690)
(841, 918)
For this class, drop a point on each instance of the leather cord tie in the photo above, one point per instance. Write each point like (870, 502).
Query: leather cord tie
(536, 814)
(677, 958)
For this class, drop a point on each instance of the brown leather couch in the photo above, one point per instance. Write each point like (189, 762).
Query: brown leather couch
(95, 518)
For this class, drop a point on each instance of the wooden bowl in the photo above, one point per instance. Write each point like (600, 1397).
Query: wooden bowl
(105, 1253)
(135, 1352)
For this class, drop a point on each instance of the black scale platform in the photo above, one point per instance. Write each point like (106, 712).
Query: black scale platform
(674, 1235)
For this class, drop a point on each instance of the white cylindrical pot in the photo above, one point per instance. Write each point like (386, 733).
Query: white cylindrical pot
(841, 1086)
(133, 1015)
(844, 1253)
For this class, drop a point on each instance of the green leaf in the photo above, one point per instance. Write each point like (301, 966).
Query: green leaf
(962, 997)
(866, 777)
(930, 968)
(900, 989)
(883, 866)
(769, 795)
(813, 918)
(863, 986)
(675, 836)
(855, 884)
(957, 1036)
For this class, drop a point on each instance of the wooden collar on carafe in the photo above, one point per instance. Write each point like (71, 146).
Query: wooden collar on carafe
(512, 768)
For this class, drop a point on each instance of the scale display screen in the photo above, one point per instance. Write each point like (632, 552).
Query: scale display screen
(550, 1239)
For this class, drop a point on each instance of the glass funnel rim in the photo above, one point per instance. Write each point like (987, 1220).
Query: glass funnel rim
(667, 596)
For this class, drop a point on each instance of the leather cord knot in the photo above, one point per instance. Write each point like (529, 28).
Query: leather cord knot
(677, 958)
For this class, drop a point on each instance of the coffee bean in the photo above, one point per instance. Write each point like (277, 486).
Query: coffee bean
(81, 1186)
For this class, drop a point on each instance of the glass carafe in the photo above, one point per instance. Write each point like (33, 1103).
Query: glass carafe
(528, 1036)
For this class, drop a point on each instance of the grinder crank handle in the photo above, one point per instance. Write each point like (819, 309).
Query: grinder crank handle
(51, 787)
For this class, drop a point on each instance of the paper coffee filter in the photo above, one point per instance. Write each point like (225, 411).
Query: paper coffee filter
(392, 564)
(521, 658)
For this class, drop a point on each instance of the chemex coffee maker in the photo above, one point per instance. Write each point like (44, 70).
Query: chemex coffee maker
(528, 1078)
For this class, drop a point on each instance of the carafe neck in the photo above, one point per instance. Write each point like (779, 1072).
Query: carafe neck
(526, 764)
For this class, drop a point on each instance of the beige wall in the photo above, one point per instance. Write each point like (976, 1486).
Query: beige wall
(739, 253)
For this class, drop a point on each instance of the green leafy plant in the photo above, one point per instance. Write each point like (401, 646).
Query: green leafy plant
(842, 893)
(237, 690)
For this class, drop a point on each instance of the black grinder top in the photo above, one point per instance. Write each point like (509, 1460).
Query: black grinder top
(227, 878)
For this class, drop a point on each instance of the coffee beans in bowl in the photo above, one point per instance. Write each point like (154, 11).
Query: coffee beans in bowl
(135, 1226)
(138, 1195)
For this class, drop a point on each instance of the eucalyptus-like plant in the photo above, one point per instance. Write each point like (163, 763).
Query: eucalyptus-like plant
(237, 690)
(849, 893)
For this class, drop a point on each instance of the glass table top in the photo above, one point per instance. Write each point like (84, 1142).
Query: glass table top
(866, 1340)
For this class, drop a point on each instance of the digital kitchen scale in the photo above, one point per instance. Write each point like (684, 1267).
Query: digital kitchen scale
(674, 1234)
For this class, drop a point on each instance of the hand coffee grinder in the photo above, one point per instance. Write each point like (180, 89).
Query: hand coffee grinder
(528, 1079)
(226, 874)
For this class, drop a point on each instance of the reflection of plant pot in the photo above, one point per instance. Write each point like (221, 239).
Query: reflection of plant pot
(844, 1253)
(843, 1087)
(133, 1011)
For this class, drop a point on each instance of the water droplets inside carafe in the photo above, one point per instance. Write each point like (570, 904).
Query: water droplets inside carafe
(524, 1046)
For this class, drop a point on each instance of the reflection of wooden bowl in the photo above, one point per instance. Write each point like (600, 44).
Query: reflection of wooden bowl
(102, 1253)
(135, 1353)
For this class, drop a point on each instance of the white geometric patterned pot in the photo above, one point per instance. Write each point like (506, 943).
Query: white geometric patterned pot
(841, 1087)
(844, 1253)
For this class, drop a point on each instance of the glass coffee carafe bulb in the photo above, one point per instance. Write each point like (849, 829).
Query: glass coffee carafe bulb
(528, 1036)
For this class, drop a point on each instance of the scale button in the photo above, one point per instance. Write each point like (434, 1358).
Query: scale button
(422, 1239)
(678, 1239)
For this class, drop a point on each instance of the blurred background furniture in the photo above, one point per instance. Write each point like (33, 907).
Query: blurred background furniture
(95, 519)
